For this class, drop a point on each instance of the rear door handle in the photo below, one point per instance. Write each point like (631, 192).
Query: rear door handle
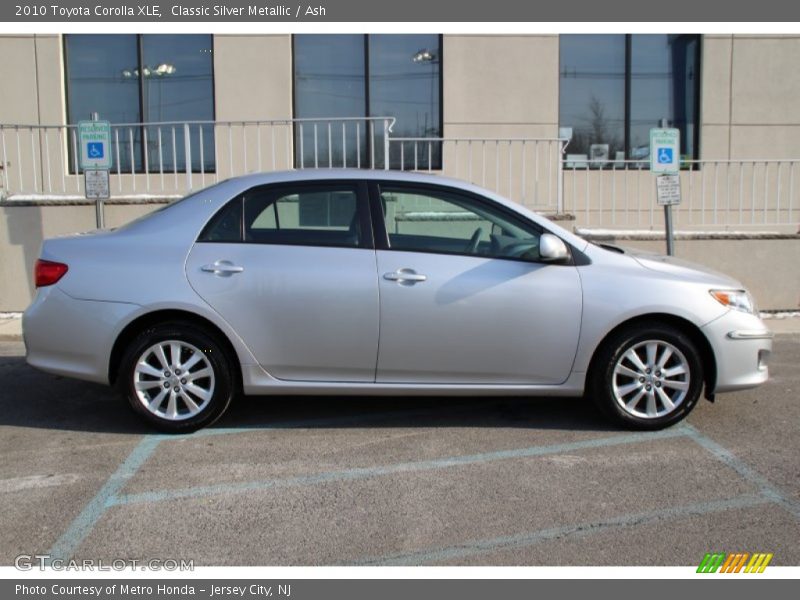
(222, 267)
(407, 276)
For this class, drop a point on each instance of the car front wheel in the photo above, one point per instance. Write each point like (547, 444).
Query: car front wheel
(647, 377)
(177, 377)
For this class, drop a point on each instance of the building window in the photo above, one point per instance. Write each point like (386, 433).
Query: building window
(159, 81)
(361, 76)
(615, 88)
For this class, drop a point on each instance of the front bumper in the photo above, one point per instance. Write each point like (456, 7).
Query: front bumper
(742, 345)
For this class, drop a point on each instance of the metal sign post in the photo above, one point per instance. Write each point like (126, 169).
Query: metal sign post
(665, 163)
(95, 159)
(668, 193)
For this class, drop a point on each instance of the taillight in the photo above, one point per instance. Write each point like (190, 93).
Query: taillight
(47, 272)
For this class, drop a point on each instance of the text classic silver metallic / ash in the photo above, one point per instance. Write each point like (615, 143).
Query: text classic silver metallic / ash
(377, 282)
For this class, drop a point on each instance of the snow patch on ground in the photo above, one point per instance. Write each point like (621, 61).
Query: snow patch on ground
(660, 234)
(74, 197)
(780, 315)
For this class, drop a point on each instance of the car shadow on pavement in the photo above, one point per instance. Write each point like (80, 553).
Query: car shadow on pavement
(30, 398)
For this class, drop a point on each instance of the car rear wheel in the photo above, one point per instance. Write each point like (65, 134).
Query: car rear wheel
(647, 376)
(177, 377)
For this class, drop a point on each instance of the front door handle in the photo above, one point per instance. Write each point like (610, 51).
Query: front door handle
(222, 267)
(405, 276)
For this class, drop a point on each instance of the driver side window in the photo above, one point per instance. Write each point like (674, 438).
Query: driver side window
(423, 220)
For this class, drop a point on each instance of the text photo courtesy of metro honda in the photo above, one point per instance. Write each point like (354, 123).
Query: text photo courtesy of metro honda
(381, 283)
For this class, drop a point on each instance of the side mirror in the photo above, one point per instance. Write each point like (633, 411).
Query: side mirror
(552, 249)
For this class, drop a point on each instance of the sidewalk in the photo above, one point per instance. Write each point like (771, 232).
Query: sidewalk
(11, 328)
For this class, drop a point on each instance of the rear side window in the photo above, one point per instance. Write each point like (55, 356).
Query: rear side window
(307, 216)
(226, 225)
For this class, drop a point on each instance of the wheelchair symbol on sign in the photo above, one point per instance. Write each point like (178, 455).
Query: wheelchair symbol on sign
(664, 156)
(94, 150)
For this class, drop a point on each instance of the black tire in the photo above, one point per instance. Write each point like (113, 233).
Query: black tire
(218, 389)
(601, 383)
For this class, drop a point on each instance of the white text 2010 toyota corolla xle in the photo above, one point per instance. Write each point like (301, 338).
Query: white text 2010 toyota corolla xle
(359, 282)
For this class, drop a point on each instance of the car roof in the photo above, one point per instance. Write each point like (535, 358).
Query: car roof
(310, 174)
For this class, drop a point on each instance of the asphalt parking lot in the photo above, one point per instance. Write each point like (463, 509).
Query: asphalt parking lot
(341, 481)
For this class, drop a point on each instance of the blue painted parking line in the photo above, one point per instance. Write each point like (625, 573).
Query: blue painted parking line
(109, 494)
(523, 540)
(726, 456)
(72, 538)
(106, 496)
(390, 469)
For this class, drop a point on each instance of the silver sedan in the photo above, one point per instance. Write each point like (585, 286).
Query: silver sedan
(359, 282)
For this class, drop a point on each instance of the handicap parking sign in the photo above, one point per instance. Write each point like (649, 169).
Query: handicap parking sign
(95, 150)
(665, 156)
(94, 138)
(665, 150)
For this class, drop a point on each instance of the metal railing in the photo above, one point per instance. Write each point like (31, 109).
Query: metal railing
(715, 194)
(169, 159)
(526, 170)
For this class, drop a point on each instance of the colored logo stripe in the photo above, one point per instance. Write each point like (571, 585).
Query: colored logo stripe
(733, 563)
(711, 562)
(758, 563)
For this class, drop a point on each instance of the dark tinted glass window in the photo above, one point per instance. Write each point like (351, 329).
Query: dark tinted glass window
(129, 79)
(663, 89)
(178, 85)
(97, 81)
(615, 88)
(312, 216)
(592, 94)
(329, 82)
(404, 76)
(226, 225)
(361, 76)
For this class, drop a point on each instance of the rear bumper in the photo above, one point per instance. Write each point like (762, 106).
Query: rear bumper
(72, 337)
(742, 346)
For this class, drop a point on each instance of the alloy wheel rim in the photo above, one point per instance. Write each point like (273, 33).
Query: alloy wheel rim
(651, 379)
(174, 380)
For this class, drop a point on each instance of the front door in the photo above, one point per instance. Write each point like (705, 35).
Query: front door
(464, 298)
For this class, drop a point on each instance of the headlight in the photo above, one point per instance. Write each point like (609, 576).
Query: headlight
(736, 299)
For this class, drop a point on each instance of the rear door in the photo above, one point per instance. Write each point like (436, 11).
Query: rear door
(292, 268)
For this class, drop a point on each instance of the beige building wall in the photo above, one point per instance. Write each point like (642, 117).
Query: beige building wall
(19, 94)
(32, 94)
(749, 97)
(500, 86)
(253, 82)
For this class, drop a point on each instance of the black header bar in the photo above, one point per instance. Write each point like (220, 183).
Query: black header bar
(362, 11)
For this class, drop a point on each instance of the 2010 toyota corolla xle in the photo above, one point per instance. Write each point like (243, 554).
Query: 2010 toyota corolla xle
(359, 282)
